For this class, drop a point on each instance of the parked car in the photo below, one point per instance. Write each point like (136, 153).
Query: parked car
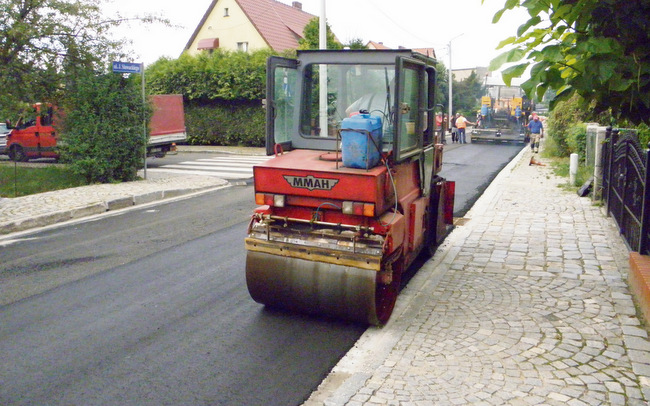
(3, 137)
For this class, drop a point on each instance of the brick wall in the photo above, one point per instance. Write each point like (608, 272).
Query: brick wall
(639, 280)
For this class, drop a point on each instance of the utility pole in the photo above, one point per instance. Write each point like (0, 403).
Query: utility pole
(322, 95)
(449, 117)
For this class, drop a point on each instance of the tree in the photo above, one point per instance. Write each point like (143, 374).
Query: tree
(356, 43)
(103, 136)
(311, 36)
(467, 94)
(442, 88)
(43, 43)
(599, 49)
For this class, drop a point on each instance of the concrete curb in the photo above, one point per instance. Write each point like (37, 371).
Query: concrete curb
(110, 203)
(44, 209)
(60, 216)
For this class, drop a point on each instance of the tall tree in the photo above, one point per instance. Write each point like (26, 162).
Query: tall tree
(442, 88)
(311, 37)
(599, 49)
(45, 42)
(467, 94)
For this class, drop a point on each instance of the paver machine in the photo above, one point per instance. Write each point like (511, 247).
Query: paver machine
(352, 193)
(502, 120)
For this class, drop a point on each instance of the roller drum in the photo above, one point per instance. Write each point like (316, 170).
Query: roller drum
(316, 287)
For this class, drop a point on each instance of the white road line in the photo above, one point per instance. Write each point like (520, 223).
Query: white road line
(228, 167)
(224, 175)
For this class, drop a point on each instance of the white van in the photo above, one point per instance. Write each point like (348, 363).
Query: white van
(3, 137)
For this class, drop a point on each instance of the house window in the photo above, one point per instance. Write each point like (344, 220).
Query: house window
(242, 46)
(225, 12)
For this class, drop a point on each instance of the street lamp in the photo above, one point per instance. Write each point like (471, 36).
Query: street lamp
(322, 94)
(450, 78)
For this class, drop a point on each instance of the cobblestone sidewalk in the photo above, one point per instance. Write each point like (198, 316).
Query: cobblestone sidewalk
(525, 304)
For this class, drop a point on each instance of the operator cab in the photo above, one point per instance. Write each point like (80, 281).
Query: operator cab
(306, 112)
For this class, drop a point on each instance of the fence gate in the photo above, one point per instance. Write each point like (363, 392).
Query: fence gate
(626, 187)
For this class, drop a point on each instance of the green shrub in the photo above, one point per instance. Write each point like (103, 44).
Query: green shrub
(644, 134)
(563, 117)
(577, 140)
(225, 123)
(103, 128)
(551, 147)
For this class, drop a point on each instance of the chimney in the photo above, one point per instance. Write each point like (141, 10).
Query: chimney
(297, 4)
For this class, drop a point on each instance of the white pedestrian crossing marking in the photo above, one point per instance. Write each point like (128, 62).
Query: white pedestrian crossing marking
(226, 167)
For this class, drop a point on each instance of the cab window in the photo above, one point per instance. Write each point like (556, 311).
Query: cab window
(285, 79)
(350, 89)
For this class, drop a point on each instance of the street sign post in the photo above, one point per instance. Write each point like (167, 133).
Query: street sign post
(127, 67)
(131, 67)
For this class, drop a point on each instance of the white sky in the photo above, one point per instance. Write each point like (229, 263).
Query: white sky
(408, 23)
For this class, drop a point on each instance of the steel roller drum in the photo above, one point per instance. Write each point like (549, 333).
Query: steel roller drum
(319, 288)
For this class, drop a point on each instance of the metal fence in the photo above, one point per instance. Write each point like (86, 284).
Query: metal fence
(626, 186)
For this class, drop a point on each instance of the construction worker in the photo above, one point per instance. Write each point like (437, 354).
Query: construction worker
(453, 128)
(536, 129)
(461, 124)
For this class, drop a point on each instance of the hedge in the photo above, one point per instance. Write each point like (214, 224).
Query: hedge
(222, 75)
(225, 123)
(223, 94)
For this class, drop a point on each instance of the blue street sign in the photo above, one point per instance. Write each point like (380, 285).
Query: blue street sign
(127, 67)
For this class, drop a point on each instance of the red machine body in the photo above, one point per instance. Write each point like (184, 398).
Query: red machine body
(311, 181)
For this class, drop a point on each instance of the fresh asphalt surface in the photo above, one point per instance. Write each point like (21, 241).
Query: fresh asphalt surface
(473, 167)
(150, 307)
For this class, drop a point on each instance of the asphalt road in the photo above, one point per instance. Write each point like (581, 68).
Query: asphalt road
(473, 167)
(149, 306)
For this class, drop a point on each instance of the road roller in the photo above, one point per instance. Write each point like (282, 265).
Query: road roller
(351, 194)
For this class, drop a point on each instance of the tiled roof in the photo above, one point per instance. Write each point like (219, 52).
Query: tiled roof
(280, 25)
(376, 45)
(430, 52)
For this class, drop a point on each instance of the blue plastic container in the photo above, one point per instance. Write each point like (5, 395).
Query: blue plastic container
(359, 148)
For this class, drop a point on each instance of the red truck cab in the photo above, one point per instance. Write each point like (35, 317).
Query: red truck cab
(34, 136)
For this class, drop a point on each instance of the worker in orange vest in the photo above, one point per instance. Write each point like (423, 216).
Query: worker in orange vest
(461, 124)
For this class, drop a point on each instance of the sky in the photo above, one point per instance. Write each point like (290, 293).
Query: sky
(465, 24)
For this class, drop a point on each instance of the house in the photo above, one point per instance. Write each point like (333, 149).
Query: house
(481, 72)
(430, 52)
(243, 25)
(376, 45)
